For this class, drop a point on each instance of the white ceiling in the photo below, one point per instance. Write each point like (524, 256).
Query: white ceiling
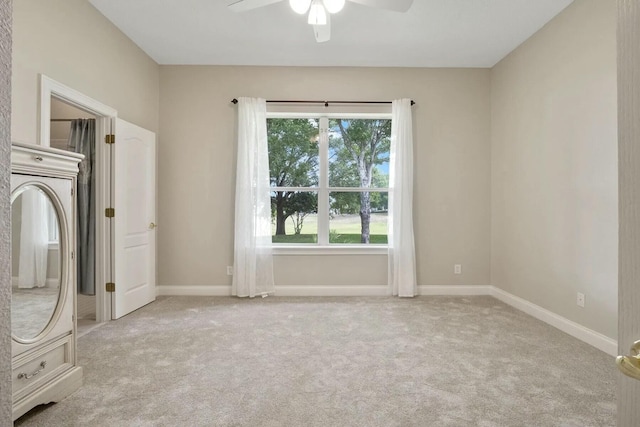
(433, 33)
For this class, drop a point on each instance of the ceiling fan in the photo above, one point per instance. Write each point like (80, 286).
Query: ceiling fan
(320, 10)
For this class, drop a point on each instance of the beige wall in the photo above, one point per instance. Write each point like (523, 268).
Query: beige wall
(72, 43)
(5, 219)
(554, 167)
(196, 157)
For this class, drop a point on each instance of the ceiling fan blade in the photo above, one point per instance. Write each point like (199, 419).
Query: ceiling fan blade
(395, 5)
(244, 5)
(323, 32)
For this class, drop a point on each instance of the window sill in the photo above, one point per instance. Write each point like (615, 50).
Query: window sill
(310, 250)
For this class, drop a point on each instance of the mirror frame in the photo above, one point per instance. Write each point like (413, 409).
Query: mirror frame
(63, 247)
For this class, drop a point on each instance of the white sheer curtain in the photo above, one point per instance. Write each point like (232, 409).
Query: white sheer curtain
(402, 263)
(34, 240)
(253, 262)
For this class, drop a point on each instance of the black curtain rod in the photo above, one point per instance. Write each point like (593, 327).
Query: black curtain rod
(326, 103)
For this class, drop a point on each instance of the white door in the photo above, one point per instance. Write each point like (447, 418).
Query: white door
(629, 210)
(133, 226)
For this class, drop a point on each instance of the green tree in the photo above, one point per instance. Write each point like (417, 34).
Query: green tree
(357, 147)
(302, 204)
(293, 162)
(342, 174)
(379, 200)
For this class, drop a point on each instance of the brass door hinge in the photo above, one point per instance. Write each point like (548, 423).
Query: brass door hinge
(111, 287)
(110, 212)
(110, 139)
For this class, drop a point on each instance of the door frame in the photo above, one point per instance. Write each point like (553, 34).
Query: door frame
(105, 115)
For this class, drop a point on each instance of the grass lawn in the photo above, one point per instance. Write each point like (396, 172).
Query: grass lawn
(345, 229)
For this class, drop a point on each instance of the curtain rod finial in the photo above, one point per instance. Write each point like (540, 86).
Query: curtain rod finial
(234, 101)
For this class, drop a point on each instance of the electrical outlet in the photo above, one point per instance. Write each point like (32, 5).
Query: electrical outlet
(580, 299)
(457, 269)
(229, 270)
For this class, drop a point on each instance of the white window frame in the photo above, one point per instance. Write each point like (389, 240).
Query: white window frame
(323, 247)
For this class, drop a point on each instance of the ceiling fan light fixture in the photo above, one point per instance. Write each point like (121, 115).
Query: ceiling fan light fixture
(333, 6)
(300, 6)
(317, 14)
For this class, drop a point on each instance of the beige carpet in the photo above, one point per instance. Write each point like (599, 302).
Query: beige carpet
(31, 310)
(427, 361)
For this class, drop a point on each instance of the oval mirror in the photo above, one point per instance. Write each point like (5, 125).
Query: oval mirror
(36, 263)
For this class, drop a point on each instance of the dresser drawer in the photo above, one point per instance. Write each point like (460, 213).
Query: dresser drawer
(36, 367)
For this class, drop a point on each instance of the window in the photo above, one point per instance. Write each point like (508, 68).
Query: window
(52, 225)
(329, 179)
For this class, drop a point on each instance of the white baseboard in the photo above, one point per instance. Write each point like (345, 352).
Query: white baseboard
(596, 339)
(454, 290)
(324, 291)
(574, 329)
(375, 291)
(49, 283)
(191, 291)
(284, 291)
(332, 291)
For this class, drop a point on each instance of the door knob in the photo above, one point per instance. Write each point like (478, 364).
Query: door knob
(630, 365)
(152, 225)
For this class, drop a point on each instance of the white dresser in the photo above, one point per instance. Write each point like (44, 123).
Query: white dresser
(43, 307)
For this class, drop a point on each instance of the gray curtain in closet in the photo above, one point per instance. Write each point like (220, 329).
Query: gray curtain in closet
(82, 139)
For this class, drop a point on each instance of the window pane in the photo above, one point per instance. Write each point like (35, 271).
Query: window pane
(52, 223)
(359, 153)
(294, 217)
(358, 217)
(293, 152)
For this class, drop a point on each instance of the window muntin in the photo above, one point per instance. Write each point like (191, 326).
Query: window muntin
(344, 162)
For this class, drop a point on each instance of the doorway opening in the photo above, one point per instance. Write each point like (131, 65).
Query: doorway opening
(59, 105)
(63, 116)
